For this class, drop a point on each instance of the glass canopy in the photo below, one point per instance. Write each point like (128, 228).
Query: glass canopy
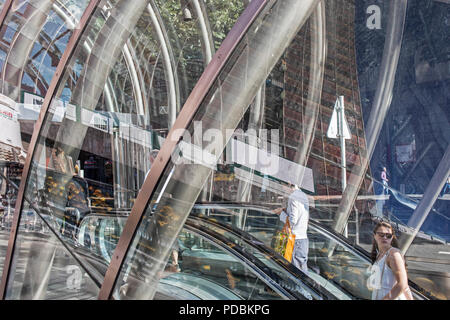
(146, 133)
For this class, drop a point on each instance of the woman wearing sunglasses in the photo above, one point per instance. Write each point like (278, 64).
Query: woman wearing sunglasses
(389, 280)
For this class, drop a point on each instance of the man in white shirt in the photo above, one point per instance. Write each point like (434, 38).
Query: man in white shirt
(297, 212)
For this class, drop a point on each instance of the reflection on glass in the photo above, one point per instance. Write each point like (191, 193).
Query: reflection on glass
(200, 259)
(60, 275)
(207, 266)
(222, 111)
(273, 118)
(331, 263)
(113, 107)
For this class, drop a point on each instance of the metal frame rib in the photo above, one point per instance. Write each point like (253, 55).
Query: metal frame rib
(187, 113)
(5, 10)
(73, 41)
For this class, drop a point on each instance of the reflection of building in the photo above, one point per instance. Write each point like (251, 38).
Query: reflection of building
(310, 97)
(300, 94)
(12, 154)
(11, 149)
(416, 130)
(114, 103)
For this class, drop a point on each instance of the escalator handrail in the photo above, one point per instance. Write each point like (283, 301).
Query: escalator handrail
(275, 256)
(361, 252)
(241, 254)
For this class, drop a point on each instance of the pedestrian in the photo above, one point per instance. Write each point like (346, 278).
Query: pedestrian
(62, 162)
(389, 279)
(77, 206)
(385, 181)
(297, 213)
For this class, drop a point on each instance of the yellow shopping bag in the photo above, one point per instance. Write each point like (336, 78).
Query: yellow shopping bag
(284, 242)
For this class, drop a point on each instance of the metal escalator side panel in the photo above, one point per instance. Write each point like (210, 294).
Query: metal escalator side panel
(271, 263)
(357, 251)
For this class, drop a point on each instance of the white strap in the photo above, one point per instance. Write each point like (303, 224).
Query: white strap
(382, 272)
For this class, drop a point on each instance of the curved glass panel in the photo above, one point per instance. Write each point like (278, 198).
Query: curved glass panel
(404, 86)
(347, 100)
(189, 35)
(223, 109)
(310, 286)
(104, 127)
(199, 267)
(314, 108)
(34, 36)
(332, 264)
(204, 262)
(61, 279)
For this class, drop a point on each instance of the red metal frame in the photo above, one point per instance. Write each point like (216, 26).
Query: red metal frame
(73, 41)
(5, 10)
(182, 122)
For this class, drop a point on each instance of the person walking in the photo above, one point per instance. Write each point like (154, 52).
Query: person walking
(77, 206)
(385, 180)
(297, 213)
(389, 279)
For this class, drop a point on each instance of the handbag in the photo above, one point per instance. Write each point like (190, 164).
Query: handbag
(284, 242)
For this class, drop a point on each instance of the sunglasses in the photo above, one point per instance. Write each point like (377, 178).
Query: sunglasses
(382, 235)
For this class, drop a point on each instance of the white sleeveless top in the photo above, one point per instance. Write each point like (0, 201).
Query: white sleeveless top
(382, 279)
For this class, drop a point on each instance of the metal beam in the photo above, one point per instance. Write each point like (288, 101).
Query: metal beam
(34, 139)
(183, 120)
(429, 198)
(205, 28)
(5, 11)
(169, 63)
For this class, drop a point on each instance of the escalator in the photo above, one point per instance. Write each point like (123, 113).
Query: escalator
(219, 261)
(332, 259)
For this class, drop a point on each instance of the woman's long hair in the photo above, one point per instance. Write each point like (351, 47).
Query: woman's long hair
(375, 250)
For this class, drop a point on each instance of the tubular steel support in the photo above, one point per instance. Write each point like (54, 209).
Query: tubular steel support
(37, 130)
(429, 198)
(5, 10)
(169, 64)
(183, 120)
(379, 111)
(35, 18)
